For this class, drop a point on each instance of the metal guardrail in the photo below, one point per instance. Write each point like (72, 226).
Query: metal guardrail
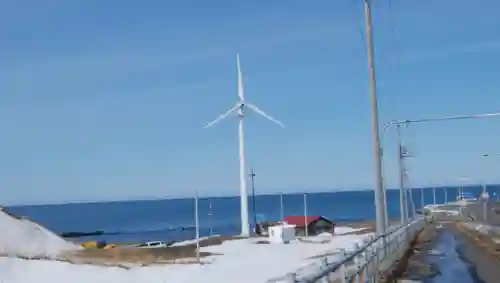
(366, 263)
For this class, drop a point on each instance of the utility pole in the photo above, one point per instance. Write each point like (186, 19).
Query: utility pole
(252, 176)
(306, 226)
(402, 190)
(197, 227)
(410, 196)
(406, 205)
(379, 185)
(210, 218)
(282, 207)
(485, 203)
(412, 203)
(445, 195)
(422, 197)
(434, 195)
(485, 191)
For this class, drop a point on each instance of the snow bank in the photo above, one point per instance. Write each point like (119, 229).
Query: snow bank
(239, 261)
(437, 208)
(345, 230)
(482, 228)
(22, 237)
(192, 241)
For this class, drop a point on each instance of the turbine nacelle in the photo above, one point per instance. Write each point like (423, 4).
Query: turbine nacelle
(239, 109)
(242, 104)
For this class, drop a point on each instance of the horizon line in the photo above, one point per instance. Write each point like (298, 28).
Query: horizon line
(160, 198)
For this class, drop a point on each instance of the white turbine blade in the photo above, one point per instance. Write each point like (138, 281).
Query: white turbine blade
(241, 93)
(262, 113)
(222, 117)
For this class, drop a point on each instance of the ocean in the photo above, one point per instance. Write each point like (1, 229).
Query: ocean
(173, 219)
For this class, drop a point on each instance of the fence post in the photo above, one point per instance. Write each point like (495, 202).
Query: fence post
(282, 207)
(389, 244)
(306, 227)
(359, 262)
(197, 227)
(324, 263)
(366, 264)
(210, 215)
(376, 262)
(343, 272)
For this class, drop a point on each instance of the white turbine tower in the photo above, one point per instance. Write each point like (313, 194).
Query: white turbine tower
(239, 108)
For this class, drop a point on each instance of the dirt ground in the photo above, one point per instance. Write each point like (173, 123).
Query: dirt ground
(175, 254)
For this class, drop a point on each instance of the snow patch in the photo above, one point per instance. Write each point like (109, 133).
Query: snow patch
(233, 261)
(24, 238)
(437, 208)
(345, 230)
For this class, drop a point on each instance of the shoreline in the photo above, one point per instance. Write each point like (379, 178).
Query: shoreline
(368, 225)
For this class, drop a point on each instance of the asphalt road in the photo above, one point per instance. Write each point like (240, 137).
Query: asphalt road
(483, 265)
(477, 210)
(459, 259)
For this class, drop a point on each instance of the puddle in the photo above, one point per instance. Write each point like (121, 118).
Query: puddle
(452, 266)
(442, 262)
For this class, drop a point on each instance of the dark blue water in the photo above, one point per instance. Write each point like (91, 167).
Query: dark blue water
(162, 219)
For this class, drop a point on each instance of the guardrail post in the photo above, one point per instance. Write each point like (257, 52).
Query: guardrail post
(359, 262)
(371, 264)
(402, 239)
(343, 271)
(375, 258)
(390, 244)
(324, 263)
(366, 256)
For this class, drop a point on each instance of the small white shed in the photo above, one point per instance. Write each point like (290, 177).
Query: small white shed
(281, 234)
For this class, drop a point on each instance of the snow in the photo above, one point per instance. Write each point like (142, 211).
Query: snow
(437, 208)
(191, 242)
(24, 238)
(346, 230)
(482, 228)
(242, 260)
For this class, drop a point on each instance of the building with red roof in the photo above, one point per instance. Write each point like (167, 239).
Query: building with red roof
(314, 224)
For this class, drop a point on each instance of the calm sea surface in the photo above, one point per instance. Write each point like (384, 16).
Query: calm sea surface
(164, 219)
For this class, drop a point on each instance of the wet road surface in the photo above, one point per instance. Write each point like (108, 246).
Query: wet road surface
(451, 265)
(487, 266)
(450, 256)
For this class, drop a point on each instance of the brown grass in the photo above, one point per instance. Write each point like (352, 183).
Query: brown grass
(175, 254)
(140, 255)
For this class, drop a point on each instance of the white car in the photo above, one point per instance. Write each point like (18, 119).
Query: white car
(155, 244)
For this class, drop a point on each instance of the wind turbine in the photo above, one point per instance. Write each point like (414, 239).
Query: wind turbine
(239, 108)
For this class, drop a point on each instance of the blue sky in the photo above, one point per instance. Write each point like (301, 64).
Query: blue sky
(106, 100)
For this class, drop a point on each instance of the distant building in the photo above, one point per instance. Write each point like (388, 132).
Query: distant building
(262, 227)
(314, 224)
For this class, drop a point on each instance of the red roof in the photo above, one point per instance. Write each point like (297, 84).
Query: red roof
(299, 221)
